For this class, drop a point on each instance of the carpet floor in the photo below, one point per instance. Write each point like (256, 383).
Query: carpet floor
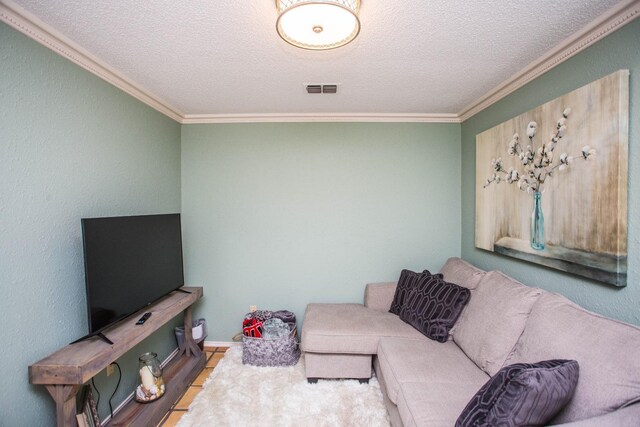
(243, 395)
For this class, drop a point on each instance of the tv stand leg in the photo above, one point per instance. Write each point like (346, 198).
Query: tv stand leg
(191, 348)
(94, 334)
(101, 335)
(184, 291)
(65, 397)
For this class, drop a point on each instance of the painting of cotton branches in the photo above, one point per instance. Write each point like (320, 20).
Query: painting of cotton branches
(551, 184)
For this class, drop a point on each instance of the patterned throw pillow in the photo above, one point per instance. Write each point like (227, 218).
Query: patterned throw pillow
(433, 305)
(523, 394)
(406, 281)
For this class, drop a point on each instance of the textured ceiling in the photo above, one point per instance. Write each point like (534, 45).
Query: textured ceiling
(225, 57)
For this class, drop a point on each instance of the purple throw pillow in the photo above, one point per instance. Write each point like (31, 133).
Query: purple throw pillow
(407, 280)
(522, 394)
(433, 306)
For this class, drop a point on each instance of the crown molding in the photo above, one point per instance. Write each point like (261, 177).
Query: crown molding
(26, 23)
(320, 117)
(612, 20)
(29, 25)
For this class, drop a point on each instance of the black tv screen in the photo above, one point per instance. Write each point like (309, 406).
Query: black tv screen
(129, 263)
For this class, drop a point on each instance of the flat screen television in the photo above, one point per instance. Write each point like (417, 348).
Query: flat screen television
(130, 262)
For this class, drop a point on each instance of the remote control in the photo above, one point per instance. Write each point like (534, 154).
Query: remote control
(143, 318)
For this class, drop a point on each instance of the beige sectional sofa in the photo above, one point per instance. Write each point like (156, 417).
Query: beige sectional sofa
(427, 383)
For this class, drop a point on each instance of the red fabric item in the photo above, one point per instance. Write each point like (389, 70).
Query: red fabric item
(252, 328)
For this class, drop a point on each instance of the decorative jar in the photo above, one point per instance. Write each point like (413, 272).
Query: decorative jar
(151, 385)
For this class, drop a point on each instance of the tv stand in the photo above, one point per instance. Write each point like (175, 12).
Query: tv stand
(183, 290)
(64, 372)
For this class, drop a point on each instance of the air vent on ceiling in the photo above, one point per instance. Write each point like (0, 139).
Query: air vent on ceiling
(322, 88)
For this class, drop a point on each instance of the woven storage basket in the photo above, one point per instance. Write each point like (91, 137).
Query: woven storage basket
(271, 352)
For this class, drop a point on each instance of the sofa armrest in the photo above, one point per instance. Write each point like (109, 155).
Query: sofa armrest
(379, 296)
(625, 417)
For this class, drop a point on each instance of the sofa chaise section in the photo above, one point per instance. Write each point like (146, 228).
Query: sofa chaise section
(339, 340)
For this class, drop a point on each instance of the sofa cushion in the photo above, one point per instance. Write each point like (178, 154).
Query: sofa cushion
(405, 360)
(350, 328)
(433, 305)
(522, 394)
(606, 349)
(378, 296)
(433, 404)
(490, 326)
(460, 272)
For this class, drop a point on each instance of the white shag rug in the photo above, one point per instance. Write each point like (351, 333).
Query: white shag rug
(244, 395)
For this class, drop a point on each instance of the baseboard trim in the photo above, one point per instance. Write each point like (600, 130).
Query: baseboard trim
(221, 343)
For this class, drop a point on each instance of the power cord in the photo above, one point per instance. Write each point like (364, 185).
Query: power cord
(116, 389)
(97, 392)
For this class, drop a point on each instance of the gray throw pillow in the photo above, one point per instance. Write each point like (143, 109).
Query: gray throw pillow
(433, 305)
(407, 280)
(522, 394)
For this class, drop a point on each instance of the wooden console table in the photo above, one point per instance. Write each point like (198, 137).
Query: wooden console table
(66, 370)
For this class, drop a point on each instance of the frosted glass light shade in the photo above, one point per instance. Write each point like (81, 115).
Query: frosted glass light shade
(318, 24)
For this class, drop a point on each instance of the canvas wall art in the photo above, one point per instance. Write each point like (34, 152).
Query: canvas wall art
(551, 184)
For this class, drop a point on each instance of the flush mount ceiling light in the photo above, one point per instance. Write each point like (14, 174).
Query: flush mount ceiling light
(318, 24)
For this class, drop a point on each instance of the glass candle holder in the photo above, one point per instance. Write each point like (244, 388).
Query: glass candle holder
(151, 384)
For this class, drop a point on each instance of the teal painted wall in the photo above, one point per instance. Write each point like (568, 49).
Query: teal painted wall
(281, 215)
(71, 146)
(277, 215)
(621, 50)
